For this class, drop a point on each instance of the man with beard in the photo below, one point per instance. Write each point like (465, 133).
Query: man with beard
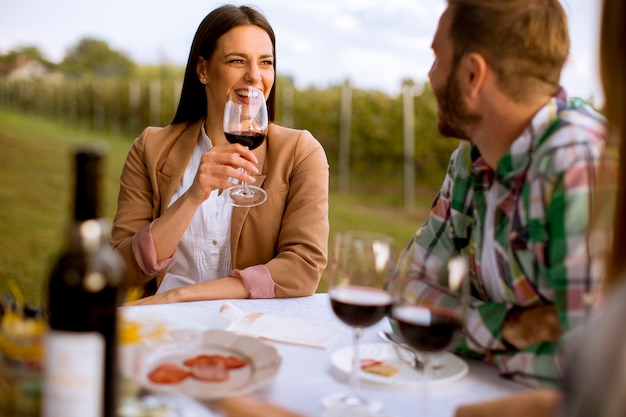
(520, 188)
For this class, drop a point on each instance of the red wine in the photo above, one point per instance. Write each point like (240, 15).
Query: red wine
(250, 139)
(80, 367)
(427, 329)
(359, 306)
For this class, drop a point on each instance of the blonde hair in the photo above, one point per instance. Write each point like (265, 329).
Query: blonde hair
(525, 42)
(612, 72)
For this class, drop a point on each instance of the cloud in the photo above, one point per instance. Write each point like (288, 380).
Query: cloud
(375, 43)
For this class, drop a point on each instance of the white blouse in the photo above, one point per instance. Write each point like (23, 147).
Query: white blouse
(203, 253)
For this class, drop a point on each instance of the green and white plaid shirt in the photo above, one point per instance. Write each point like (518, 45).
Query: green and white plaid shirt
(542, 232)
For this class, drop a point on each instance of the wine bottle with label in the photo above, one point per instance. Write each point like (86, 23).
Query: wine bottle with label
(80, 368)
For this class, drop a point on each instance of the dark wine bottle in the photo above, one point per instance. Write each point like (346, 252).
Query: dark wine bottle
(80, 367)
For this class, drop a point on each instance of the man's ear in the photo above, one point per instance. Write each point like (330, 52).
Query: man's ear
(472, 74)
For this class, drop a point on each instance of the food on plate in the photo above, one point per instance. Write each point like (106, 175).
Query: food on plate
(168, 373)
(208, 368)
(368, 362)
(231, 362)
(378, 367)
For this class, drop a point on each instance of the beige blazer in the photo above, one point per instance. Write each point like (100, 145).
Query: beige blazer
(288, 233)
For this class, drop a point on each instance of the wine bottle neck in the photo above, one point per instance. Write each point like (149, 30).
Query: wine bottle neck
(88, 231)
(87, 176)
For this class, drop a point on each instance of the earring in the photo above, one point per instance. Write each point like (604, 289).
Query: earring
(203, 80)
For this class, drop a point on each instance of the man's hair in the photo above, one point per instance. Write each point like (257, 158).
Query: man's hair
(525, 42)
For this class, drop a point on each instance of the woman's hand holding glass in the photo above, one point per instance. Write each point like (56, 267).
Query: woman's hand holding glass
(221, 163)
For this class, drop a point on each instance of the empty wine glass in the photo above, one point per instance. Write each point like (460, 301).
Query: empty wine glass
(358, 268)
(245, 122)
(429, 314)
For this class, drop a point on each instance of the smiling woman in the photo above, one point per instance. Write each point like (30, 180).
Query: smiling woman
(173, 226)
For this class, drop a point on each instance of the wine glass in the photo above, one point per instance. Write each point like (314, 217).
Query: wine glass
(358, 268)
(429, 314)
(245, 122)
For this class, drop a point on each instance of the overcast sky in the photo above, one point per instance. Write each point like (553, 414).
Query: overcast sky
(374, 43)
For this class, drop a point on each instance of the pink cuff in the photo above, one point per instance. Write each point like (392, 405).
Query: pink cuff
(145, 252)
(257, 280)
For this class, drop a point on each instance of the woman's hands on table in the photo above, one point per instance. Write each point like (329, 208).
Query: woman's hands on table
(219, 289)
(163, 298)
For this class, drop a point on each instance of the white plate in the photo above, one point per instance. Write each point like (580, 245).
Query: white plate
(263, 363)
(452, 367)
(176, 316)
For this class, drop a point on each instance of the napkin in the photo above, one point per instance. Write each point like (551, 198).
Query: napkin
(313, 333)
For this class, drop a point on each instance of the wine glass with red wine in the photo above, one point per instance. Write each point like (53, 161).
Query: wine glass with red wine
(245, 122)
(359, 265)
(429, 312)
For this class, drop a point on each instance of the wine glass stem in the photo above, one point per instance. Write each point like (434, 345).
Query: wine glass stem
(426, 376)
(355, 381)
(244, 184)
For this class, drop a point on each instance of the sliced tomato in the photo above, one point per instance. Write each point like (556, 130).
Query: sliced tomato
(210, 369)
(233, 362)
(201, 358)
(168, 373)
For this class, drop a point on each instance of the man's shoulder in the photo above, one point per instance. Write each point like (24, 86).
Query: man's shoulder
(576, 136)
(579, 110)
(576, 124)
(463, 159)
(580, 121)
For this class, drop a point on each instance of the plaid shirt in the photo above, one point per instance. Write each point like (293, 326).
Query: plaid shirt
(541, 233)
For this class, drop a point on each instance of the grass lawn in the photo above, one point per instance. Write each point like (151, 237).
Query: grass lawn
(35, 193)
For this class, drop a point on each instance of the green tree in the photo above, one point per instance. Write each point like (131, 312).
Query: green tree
(94, 58)
(164, 71)
(29, 51)
(317, 110)
(376, 140)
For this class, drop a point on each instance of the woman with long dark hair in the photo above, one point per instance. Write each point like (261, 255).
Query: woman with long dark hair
(172, 225)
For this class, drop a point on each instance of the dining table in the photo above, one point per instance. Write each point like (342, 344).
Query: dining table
(307, 374)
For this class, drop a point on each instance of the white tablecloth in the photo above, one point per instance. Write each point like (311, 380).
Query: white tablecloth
(306, 374)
